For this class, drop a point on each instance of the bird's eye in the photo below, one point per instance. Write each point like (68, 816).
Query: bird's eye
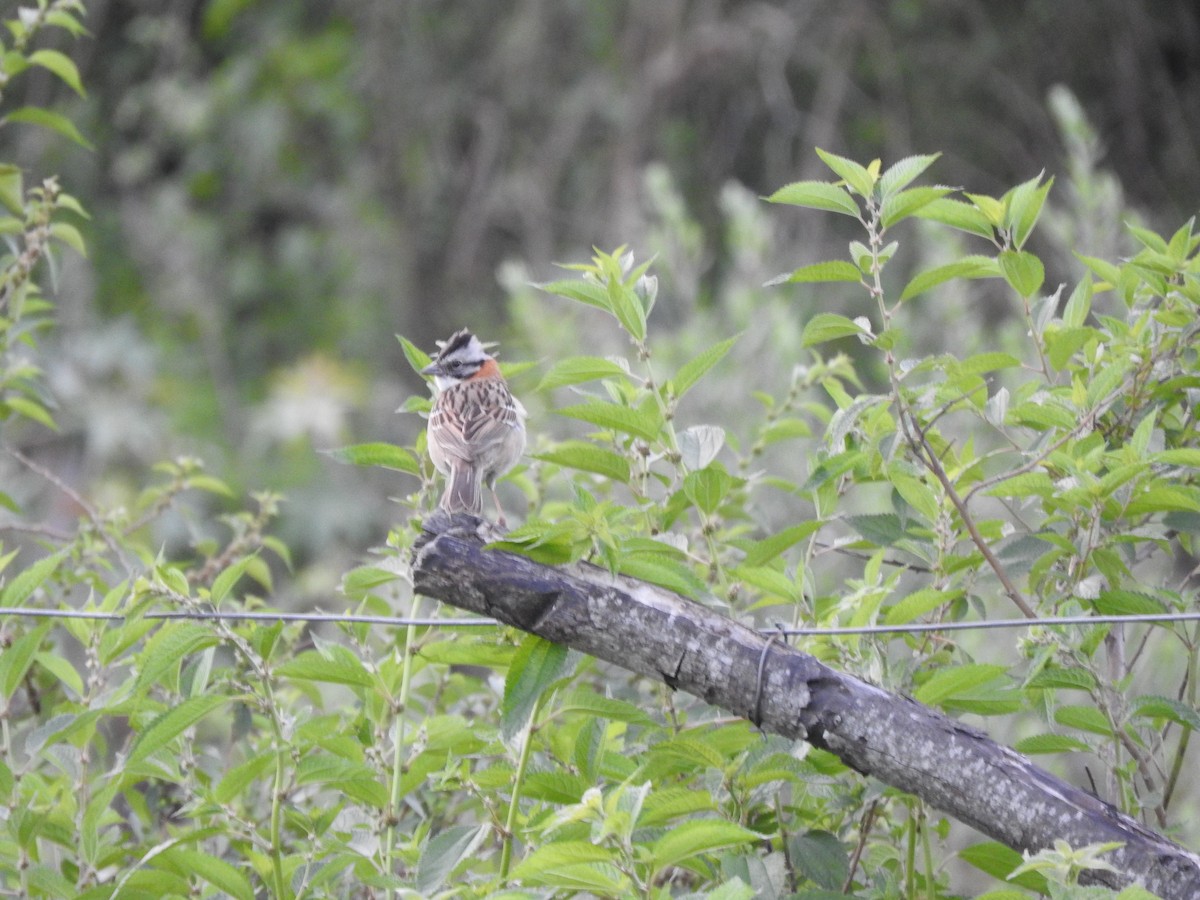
(456, 364)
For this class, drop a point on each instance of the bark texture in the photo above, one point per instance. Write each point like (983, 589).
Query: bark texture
(658, 634)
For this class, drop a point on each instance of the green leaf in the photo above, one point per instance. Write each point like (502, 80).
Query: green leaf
(588, 458)
(1151, 707)
(69, 235)
(664, 571)
(999, 861)
(585, 700)
(1120, 602)
(1163, 499)
(359, 582)
(62, 669)
(18, 657)
(167, 647)
(377, 453)
(1027, 484)
(956, 680)
(832, 270)
(698, 836)
(443, 852)
(1107, 272)
(171, 724)
(1023, 271)
(899, 207)
(61, 65)
(1050, 743)
(854, 174)
(228, 577)
(918, 603)
(222, 875)
(827, 327)
(1085, 718)
(313, 666)
(615, 418)
(957, 214)
(578, 369)
(902, 172)
(821, 858)
(627, 308)
(17, 591)
(30, 409)
(695, 369)
(417, 358)
(573, 865)
(967, 267)
(707, 487)
(537, 665)
(32, 115)
(1023, 205)
(12, 195)
(1181, 456)
(762, 552)
(587, 292)
(1079, 304)
(239, 778)
(816, 195)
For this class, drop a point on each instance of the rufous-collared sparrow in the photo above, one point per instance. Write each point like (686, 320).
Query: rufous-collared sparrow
(476, 427)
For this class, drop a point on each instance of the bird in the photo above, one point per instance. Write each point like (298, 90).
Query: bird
(476, 425)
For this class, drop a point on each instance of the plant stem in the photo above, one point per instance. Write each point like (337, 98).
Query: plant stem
(510, 821)
(393, 814)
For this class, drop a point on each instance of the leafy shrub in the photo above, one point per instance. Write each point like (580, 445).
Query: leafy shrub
(813, 470)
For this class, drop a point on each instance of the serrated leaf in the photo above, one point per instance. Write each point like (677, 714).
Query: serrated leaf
(762, 552)
(563, 857)
(312, 666)
(1163, 499)
(240, 777)
(443, 852)
(537, 665)
(821, 858)
(969, 267)
(1050, 743)
(827, 327)
(698, 836)
(168, 647)
(816, 195)
(32, 115)
(900, 206)
(663, 571)
(578, 369)
(955, 681)
(707, 487)
(1023, 271)
(1037, 484)
(225, 581)
(222, 875)
(588, 701)
(616, 418)
(854, 174)
(168, 726)
(18, 657)
(918, 603)
(999, 861)
(903, 172)
(830, 271)
(588, 458)
(1085, 718)
(587, 292)
(957, 214)
(28, 580)
(377, 453)
(695, 369)
(1120, 602)
(61, 65)
(1176, 711)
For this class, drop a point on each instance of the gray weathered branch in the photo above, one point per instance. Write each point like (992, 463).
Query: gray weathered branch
(686, 645)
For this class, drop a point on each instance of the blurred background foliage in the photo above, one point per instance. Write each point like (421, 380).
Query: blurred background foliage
(277, 188)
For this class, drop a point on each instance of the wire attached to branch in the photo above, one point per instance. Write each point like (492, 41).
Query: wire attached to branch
(401, 622)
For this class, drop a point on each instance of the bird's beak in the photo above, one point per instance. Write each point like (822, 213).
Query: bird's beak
(432, 369)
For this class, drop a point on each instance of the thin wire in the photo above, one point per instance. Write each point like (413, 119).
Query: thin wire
(398, 621)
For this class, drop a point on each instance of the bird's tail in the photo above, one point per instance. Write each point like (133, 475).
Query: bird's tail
(464, 491)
